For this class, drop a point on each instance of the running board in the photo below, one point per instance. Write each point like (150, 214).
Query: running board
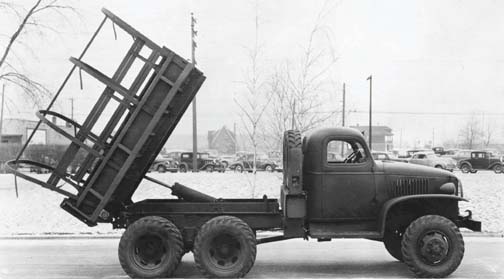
(332, 230)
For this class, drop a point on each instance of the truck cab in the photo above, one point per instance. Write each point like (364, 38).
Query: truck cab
(346, 193)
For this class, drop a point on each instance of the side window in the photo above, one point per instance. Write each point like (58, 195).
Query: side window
(186, 156)
(421, 156)
(345, 152)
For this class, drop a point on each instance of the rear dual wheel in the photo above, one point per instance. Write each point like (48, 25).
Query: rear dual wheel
(225, 247)
(151, 247)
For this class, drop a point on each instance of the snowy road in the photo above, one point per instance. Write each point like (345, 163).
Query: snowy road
(97, 258)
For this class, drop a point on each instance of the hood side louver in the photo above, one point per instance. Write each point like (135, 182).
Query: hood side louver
(409, 186)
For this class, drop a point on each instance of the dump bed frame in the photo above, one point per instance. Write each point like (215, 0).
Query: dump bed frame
(118, 157)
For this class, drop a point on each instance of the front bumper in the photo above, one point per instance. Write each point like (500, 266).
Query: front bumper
(468, 222)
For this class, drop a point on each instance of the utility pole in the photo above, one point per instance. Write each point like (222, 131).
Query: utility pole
(370, 78)
(343, 112)
(432, 138)
(1, 113)
(194, 33)
(343, 118)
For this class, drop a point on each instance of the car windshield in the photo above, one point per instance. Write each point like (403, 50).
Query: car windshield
(204, 156)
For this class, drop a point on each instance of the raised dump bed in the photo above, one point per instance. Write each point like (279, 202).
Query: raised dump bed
(119, 155)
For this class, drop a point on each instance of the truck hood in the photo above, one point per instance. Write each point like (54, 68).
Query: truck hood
(406, 169)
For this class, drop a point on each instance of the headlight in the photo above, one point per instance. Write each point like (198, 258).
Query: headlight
(448, 188)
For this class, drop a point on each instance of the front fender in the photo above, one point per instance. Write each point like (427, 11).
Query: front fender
(390, 203)
(494, 164)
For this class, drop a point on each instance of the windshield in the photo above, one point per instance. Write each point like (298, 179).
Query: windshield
(204, 156)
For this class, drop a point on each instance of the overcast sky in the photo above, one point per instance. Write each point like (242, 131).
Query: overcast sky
(434, 63)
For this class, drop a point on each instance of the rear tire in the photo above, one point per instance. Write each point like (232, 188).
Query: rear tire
(151, 247)
(225, 247)
(432, 246)
(239, 168)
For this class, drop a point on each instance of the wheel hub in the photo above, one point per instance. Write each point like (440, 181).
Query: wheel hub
(149, 251)
(434, 247)
(224, 250)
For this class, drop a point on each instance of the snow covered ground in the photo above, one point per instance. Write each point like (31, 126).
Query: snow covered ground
(37, 211)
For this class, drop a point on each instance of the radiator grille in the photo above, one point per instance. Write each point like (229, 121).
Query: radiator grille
(409, 186)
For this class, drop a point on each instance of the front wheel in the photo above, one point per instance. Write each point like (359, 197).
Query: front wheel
(432, 246)
(161, 168)
(151, 247)
(269, 168)
(225, 247)
(209, 168)
(497, 168)
(239, 168)
(182, 168)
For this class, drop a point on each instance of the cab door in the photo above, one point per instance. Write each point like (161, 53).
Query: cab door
(348, 181)
(479, 160)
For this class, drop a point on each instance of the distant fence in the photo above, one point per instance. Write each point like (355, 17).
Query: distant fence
(47, 154)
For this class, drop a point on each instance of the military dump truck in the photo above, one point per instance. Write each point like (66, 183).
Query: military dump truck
(412, 209)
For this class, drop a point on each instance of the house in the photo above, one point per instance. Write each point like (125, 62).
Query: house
(222, 140)
(382, 137)
(17, 131)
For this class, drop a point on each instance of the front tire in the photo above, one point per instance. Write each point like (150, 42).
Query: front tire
(225, 247)
(239, 168)
(497, 168)
(182, 168)
(161, 169)
(432, 246)
(151, 247)
(269, 168)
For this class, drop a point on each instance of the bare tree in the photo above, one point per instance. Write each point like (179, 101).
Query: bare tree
(30, 20)
(471, 133)
(298, 88)
(488, 134)
(254, 100)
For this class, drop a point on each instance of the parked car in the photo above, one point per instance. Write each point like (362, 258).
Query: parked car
(174, 155)
(226, 160)
(409, 153)
(203, 161)
(384, 156)
(164, 164)
(245, 163)
(481, 160)
(432, 160)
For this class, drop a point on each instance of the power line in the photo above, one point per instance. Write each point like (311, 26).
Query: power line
(420, 113)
